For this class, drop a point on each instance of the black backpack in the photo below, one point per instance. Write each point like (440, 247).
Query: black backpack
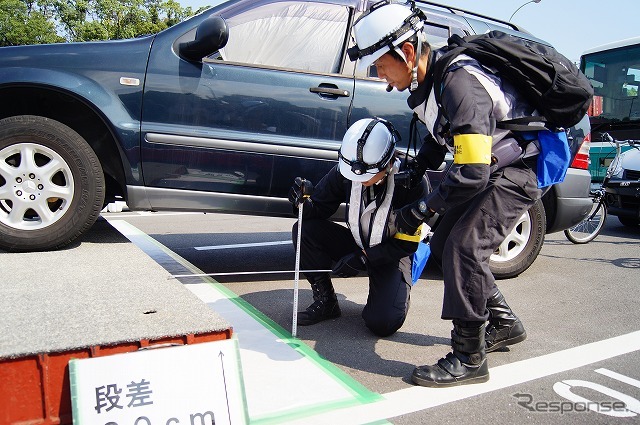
(548, 80)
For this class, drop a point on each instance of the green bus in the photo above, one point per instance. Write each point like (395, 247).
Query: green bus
(614, 72)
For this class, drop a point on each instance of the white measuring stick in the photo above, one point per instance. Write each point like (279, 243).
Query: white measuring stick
(175, 276)
(296, 276)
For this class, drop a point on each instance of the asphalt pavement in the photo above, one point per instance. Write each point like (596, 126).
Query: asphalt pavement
(577, 302)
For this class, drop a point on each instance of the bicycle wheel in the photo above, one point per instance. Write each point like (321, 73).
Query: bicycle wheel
(590, 227)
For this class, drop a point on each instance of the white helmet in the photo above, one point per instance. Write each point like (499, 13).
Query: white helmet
(367, 148)
(383, 28)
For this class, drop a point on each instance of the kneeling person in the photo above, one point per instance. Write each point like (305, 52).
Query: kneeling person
(364, 179)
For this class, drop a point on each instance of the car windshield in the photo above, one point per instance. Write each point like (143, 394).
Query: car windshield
(615, 76)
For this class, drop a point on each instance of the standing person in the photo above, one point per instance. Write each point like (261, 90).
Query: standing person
(481, 197)
(364, 178)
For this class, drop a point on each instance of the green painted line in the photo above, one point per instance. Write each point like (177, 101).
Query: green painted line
(361, 394)
(358, 390)
(75, 408)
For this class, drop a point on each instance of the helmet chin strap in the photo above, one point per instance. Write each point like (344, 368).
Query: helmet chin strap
(414, 71)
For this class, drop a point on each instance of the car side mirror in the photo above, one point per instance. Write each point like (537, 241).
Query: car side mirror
(211, 35)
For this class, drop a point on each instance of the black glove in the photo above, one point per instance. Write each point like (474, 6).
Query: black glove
(351, 264)
(416, 171)
(300, 190)
(409, 218)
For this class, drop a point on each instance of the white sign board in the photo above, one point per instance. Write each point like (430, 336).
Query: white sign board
(198, 384)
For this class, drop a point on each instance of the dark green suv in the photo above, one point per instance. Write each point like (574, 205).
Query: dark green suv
(173, 121)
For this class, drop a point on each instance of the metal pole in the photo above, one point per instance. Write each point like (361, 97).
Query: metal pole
(532, 1)
(296, 278)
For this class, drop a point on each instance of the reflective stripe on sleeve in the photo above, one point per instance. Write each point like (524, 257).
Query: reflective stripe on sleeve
(472, 149)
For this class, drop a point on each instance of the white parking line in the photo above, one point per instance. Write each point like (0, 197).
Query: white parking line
(134, 214)
(414, 399)
(619, 377)
(242, 245)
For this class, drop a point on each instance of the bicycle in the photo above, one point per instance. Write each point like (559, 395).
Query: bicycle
(589, 228)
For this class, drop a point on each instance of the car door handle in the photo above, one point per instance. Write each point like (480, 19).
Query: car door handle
(330, 91)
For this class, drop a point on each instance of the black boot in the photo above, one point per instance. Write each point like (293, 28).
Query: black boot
(467, 364)
(504, 327)
(325, 304)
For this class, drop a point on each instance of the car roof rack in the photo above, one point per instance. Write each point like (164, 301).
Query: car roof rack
(462, 12)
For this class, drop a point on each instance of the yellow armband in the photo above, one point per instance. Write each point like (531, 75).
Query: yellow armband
(472, 149)
(412, 238)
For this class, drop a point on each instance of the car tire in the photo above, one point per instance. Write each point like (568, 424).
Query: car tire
(629, 222)
(51, 184)
(521, 247)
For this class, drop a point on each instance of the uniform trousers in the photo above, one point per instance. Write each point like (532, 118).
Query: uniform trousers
(469, 233)
(324, 242)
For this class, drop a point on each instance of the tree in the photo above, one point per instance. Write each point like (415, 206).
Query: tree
(50, 21)
(84, 20)
(21, 23)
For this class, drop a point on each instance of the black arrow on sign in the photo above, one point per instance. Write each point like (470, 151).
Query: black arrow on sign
(224, 379)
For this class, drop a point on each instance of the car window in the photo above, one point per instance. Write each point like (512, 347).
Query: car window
(437, 36)
(294, 35)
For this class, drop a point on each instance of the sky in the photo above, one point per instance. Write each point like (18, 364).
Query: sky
(571, 26)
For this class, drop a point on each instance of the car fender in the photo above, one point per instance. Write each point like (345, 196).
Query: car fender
(630, 160)
(121, 122)
(105, 103)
